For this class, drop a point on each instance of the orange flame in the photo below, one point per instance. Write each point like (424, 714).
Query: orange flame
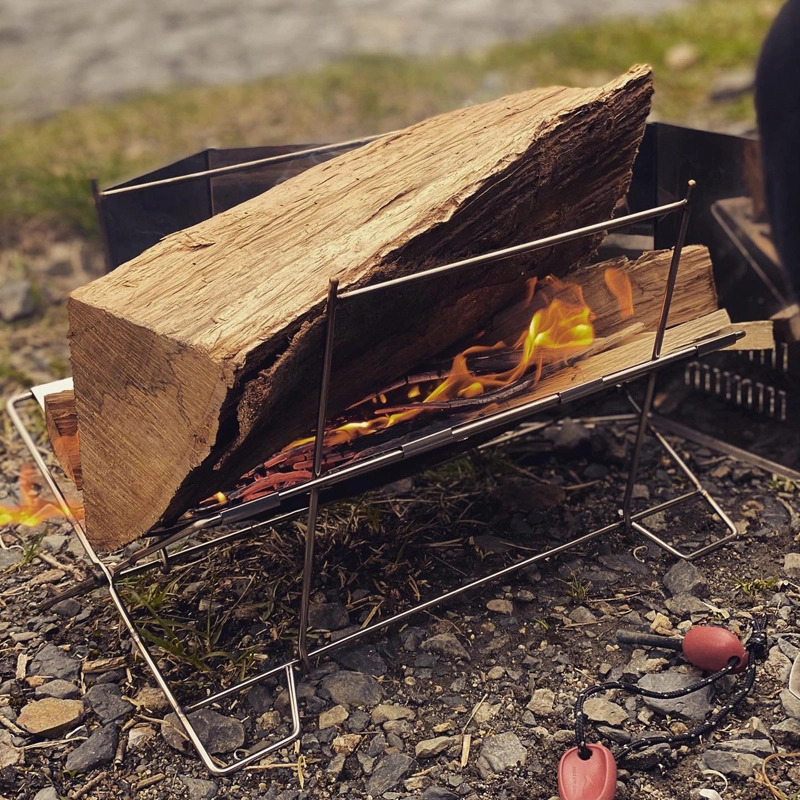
(620, 286)
(33, 510)
(561, 327)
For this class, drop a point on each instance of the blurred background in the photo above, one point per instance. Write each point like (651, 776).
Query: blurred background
(112, 89)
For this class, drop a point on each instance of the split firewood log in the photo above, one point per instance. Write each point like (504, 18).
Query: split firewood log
(200, 357)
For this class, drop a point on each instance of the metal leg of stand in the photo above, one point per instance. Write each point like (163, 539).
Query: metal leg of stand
(313, 500)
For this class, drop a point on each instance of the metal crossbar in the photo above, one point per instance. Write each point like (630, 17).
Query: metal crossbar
(157, 554)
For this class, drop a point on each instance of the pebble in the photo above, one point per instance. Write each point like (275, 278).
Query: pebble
(363, 658)
(389, 771)
(756, 747)
(685, 578)
(346, 743)
(53, 662)
(50, 717)
(685, 604)
(542, 703)
(139, 735)
(791, 565)
(384, 712)
(438, 793)
(61, 690)
(428, 748)
(694, 706)
(739, 765)
(500, 753)
(500, 606)
(48, 793)
(105, 699)
(352, 688)
(333, 717)
(97, 750)
(328, 616)
(791, 704)
(582, 616)
(786, 732)
(10, 557)
(598, 709)
(218, 733)
(17, 300)
(198, 789)
(10, 755)
(445, 644)
(153, 699)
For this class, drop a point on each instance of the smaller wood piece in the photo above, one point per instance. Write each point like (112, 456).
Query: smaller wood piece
(593, 778)
(710, 648)
(62, 428)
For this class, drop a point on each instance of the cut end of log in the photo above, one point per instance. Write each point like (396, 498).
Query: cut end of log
(199, 358)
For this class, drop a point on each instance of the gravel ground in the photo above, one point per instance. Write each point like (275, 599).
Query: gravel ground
(56, 53)
(389, 718)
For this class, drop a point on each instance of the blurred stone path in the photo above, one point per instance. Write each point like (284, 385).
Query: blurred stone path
(56, 53)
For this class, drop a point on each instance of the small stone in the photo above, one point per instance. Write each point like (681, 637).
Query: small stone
(428, 748)
(791, 565)
(786, 732)
(97, 750)
(50, 717)
(680, 56)
(336, 765)
(139, 735)
(487, 712)
(69, 608)
(739, 765)
(61, 690)
(352, 688)
(649, 758)
(10, 756)
(684, 605)
(641, 491)
(346, 743)
(53, 662)
(390, 770)
(615, 734)
(791, 705)
(10, 557)
(259, 698)
(757, 729)
(495, 673)
(105, 699)
(218, 733)
(542, 703)
(500, 753)
(198, 789)
(756, 747)
(438, 793)
(54, 543)
(684, 578)
(333, 717)
(48, 793)
(569, 436)
(328, 616)
(364, 658)
(153, 699)
(582, 616)
(694, 706)
(500, 606)
(595, 472)
(599, 710)
(17, 300)
(384, 712)
(445, 644)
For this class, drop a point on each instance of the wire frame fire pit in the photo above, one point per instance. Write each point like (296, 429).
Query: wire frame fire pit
(326, 484)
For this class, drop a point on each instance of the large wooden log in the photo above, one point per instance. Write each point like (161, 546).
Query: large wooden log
(200, 356)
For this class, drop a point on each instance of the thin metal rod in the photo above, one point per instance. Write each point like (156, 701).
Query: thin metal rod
(245, 165)
(672, 276)
(633, 471)
(693, 435)
(526, 247)
(313, 501)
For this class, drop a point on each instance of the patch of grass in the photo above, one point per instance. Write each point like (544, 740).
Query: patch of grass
(753, 587)
(45, 165)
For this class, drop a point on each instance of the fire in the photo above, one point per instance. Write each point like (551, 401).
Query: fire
(560, 327)
(620, 286)
(33, 510)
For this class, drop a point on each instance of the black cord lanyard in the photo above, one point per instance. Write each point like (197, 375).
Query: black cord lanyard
(756, 648)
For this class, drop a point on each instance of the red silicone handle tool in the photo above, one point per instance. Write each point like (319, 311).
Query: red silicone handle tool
(594, 778)
(711, 648)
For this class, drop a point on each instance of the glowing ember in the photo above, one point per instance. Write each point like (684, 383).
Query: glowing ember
(33, 510)
(620, 286)
(559, 328)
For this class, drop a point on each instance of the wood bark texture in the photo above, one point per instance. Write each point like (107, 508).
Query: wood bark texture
(200, 357)
(61, 422)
